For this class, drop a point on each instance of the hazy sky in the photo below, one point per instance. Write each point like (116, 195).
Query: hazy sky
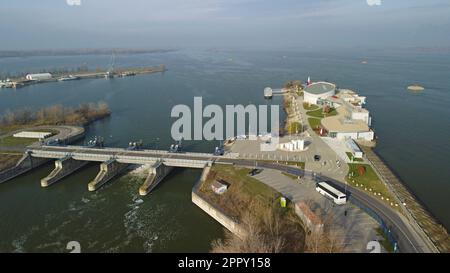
(28, 24)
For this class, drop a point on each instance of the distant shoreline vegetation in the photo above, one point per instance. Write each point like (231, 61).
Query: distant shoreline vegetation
(78, 52)
(56, 115)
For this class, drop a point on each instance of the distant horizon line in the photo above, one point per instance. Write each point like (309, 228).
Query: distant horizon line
(144, 50)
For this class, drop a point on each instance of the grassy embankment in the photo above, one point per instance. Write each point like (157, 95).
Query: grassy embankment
(369, 182)
(8, 160)
(256, 206)
(385, 242)
(301, 165)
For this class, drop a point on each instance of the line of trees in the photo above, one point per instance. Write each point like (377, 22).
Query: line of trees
(57, 115)
(271, 231)
(274, 231)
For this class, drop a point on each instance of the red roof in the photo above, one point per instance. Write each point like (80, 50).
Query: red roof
(308, 213)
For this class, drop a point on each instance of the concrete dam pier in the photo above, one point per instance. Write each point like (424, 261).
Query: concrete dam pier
(108, 170)
(63, 168)
(157, 173)
(113, 162)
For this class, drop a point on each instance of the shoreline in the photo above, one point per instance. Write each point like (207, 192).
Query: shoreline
(118, 73)
(422, 219)
(430, 224)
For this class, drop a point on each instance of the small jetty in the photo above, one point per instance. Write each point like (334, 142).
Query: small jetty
(269, 92)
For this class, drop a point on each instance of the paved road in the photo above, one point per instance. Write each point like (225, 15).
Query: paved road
(408, 239)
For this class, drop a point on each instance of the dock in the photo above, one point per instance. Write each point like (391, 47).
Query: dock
(117, 73)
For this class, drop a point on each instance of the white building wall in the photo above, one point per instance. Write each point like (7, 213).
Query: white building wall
(312, 98)
(361, 116)
(343, 136)
(39, 77)
(369, 136)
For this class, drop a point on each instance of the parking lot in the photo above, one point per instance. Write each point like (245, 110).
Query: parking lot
(355, 228)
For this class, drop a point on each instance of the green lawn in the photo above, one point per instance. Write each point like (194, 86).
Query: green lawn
(350, 156)
(295, 127)
(240, 178)
(318, 113)
(314, 122)
(310, 107)
(369, 180)
(301, 165)
(10, 141)
(16, 141)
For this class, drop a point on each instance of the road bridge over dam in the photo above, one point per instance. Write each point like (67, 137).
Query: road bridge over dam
(115, 161)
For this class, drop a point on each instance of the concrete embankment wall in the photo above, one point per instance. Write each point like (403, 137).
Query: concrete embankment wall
(75, 138)
(233, 226)
(24, 165)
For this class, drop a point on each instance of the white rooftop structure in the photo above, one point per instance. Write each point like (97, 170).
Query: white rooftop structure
(318, 90)
(30, 134)
(354, 148)
(39, 76)
(297, 145)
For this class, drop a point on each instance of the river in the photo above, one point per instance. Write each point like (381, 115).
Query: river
(413, 132)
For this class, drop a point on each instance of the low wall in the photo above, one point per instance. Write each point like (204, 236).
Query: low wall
(24, 165)
(212, 211)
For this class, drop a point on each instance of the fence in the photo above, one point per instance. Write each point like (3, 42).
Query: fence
(384, 226)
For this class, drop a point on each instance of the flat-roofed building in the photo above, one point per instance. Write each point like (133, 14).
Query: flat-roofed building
(39, 77)
(343, 126)
(219, 187)
(31, 134)
(309, 218)
(354, 148)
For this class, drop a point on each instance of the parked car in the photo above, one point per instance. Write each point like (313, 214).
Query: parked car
(317, 157)
(255, 172)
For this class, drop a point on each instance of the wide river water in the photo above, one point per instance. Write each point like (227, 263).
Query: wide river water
(413, 132)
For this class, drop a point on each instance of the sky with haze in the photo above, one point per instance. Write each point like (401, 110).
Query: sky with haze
(38, 24)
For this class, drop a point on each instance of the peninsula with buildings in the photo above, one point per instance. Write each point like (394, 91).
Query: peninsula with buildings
(326, 173)
(323, 189)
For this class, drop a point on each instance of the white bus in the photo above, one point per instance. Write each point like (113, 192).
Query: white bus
(328, 191)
